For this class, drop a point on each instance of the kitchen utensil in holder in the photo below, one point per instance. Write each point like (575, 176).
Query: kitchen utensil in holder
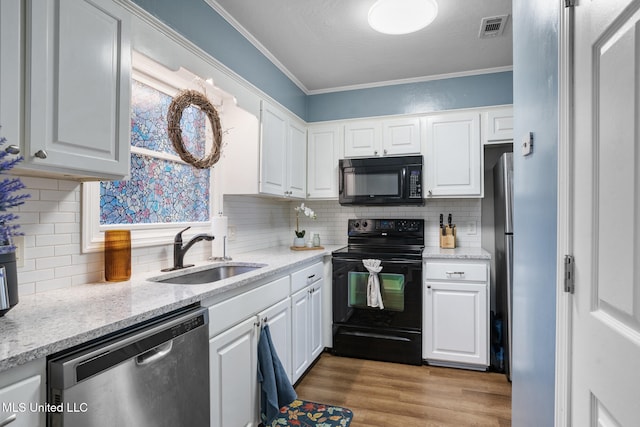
(448, 237)
(117, 255)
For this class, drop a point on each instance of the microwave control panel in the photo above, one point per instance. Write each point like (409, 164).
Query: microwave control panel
(415, 184)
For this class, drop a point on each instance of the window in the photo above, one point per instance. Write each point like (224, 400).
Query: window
(161, 189)
(163, 194)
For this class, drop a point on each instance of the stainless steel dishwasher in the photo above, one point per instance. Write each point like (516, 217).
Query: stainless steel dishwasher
(155, 374)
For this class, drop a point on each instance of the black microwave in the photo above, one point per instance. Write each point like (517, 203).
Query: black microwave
(381, 181)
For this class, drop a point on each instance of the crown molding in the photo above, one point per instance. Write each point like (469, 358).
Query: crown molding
(412, 80)
(256, 43)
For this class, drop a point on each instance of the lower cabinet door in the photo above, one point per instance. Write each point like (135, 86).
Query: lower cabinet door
(233, 357)
(315, 322)
(456, 328)
(278, 317)
(300, 332)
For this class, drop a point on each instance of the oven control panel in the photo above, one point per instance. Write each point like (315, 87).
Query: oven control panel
(396, 226)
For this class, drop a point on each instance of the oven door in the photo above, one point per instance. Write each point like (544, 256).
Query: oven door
(391, 334)
(400, 287)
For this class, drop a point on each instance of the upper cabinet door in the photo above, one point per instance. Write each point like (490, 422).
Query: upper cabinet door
(297, 161)
(273, 159)
(362, 139)
(78, 88)
(10, 77)
(401, 136)
(498, 126)
(454, 156)
(323, 146)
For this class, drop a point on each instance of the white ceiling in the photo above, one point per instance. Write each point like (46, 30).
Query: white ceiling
(327, 45)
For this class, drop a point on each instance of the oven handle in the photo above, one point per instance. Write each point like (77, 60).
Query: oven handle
(395, 261)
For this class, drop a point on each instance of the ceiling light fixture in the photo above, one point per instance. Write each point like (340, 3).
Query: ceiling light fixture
(402, 16)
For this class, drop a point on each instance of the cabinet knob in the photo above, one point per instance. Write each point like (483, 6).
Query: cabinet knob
(375, 152)
(430, 193)
(385, 151)
(12, 149)
(428, 286)
(41, 154)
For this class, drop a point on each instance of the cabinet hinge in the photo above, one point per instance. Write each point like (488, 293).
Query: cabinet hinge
(569, 3)
(569, 284)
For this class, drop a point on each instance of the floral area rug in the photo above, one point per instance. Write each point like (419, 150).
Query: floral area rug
(301, 413)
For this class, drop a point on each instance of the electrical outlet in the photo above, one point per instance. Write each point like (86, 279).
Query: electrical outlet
(471, 228)
(19, 242)
(231, 233)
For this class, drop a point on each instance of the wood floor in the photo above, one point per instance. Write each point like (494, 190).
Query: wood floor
(395, 395)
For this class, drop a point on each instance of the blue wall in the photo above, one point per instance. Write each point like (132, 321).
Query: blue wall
(202, 25)
(198, 22)
(535, 96)
(435, 95)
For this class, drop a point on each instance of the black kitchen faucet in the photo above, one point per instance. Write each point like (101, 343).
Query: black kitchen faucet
(179, 250)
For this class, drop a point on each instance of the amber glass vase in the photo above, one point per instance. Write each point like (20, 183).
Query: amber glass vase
(117, 255)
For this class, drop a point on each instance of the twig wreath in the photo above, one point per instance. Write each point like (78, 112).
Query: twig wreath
(184, 99)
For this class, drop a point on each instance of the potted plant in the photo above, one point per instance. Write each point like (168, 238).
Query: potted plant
(10, 197)
(298, 241)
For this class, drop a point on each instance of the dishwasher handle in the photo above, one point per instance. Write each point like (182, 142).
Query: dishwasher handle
(144, 344)
(11, 418)
(154, 354)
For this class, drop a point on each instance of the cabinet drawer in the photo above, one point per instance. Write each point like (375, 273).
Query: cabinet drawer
(234, 310)
(458, 271)
(303, 278)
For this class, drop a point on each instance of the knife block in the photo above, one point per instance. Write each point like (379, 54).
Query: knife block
(448, 241)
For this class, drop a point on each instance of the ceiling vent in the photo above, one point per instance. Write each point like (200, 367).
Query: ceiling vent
(493, 26)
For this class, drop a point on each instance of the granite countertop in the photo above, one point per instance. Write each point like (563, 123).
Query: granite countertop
(48, 322)
(436, 252)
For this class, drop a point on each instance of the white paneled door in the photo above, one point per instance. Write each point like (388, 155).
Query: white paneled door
(605, 364)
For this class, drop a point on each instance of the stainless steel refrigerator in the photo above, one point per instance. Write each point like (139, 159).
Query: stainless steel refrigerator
(503, 223)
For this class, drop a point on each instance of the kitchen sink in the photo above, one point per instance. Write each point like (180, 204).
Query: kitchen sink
(209, 275)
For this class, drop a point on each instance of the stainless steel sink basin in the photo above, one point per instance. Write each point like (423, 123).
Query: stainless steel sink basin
(210, 275)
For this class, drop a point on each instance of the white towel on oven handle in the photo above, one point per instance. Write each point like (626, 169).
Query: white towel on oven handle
(374, 296)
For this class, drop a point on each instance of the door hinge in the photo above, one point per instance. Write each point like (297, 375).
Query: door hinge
(569, 284)
(569, 3)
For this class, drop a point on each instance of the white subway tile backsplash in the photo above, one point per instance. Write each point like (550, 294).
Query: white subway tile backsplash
(50, 220)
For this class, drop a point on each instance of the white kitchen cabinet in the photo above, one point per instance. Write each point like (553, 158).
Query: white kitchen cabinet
(454, 156)
(456, 314)
(315, 325)
(11, 38)
(234, 332)
(323, 148)
(273, 159)
(233, 375)
(297, 160)
(362, 138)
(306, 317)
(77, 89)
(278, 317)
(401, 136)
(498, 125)
(382, 137)
(21, 389)
(283, 155)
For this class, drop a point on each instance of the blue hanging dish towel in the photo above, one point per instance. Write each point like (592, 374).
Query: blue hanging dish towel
(276, 389)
